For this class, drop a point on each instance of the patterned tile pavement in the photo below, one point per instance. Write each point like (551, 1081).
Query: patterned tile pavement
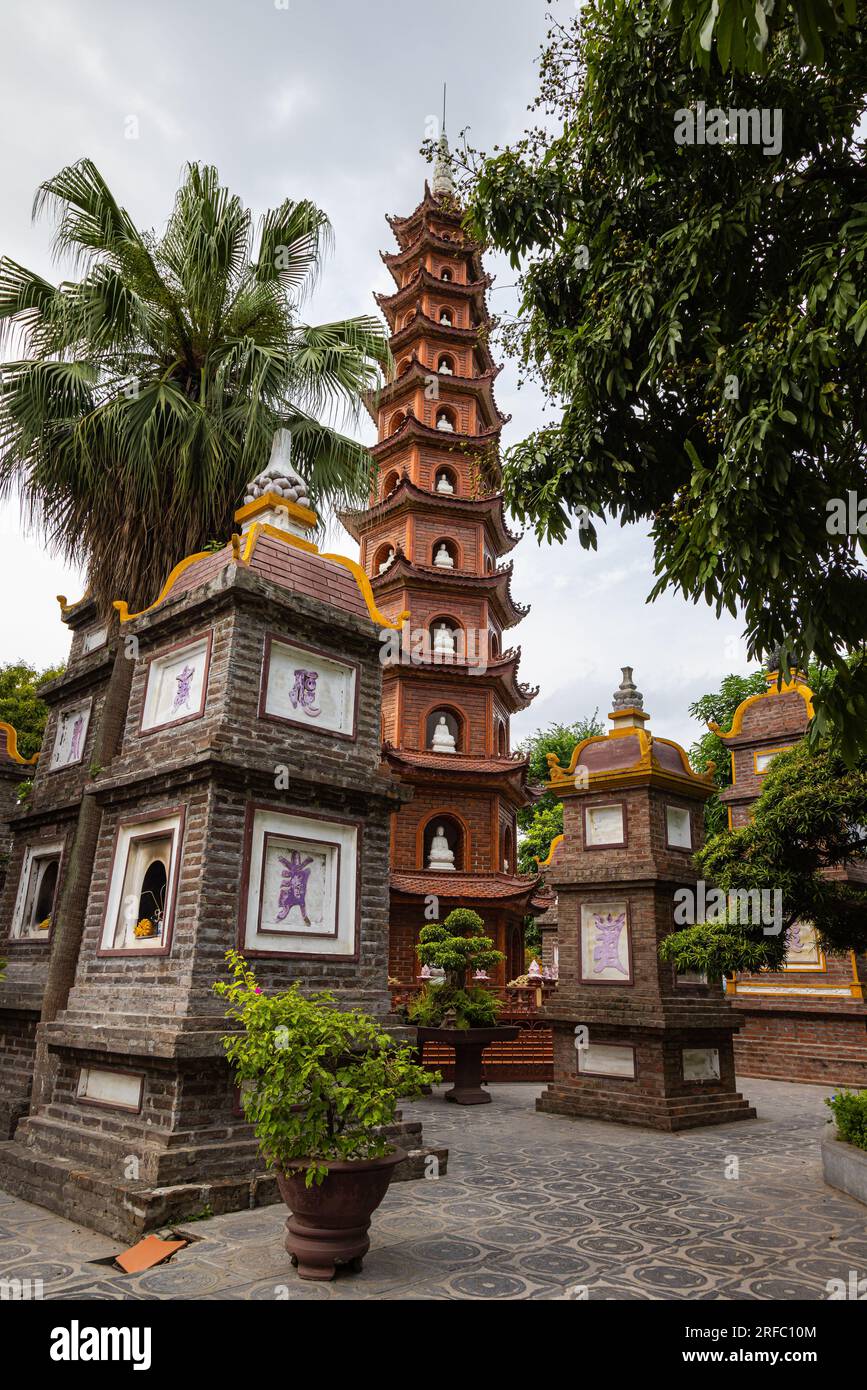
(533, 1206)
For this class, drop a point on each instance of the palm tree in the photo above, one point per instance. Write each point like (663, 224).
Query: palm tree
(146, 397)
(147, 393)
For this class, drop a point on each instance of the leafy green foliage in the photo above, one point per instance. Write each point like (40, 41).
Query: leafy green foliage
(850, 1113)
(20, 705)
(699, 313)
(472, 1008)
(807, 824)
(543, 826)
(317, 1082)
(560, 739)
(540, 822)
(719, 708)
(721, 948)
(148, 392)
(739, 33)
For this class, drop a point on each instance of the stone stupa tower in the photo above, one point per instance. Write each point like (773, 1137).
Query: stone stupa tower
(633, 1041)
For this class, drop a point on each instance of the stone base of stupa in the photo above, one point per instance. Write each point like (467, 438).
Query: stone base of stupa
(123, 1170)
(671, 1078)
(126, 1210)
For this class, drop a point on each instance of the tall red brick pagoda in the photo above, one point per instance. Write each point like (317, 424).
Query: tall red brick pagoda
(430, 542)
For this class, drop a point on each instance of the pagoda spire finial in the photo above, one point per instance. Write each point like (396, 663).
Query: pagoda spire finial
(443, 182)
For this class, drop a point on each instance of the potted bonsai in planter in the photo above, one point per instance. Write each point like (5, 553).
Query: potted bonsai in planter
(449, 1012)
(319, 1084)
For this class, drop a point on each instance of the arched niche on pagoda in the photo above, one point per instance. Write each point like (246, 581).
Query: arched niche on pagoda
(408, 318)
(446, 419)
(390, 482)
(395, 421)
(508, 851)
(453, 551)
(493, 643)
(448, 476)
(446, 273)
(446, 364)
(456, 723)
(382, 555)
(455, 832)
(403, 366)
(502, 738)
(446, 647)
(447, 316)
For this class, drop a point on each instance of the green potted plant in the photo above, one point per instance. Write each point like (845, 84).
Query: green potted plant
(319, 1085)
(844, 1150)
(451, 1012)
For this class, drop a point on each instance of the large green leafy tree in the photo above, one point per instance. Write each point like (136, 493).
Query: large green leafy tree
(699, 311)
(741, 33)
(808, 828)
(542, 821)
(20, 704)
(147, 392)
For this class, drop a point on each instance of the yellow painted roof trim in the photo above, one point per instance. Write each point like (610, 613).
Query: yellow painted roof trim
(559, 777)
(786, 688)
(250, 540)
(543, 863)
(557, 774)
(11, 736)
(65, 606)
(122, 609)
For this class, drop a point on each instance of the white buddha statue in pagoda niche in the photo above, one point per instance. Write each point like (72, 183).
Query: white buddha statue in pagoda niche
(444, 369)
(444, 423)
(446, 318)
(443, 740)
(441, 857)
(389, 560)
(443, 482)
(443, 559)
(444, 641)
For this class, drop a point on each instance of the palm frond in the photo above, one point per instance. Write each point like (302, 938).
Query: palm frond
(293, 240)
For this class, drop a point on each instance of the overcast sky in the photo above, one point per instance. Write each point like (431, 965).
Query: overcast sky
(325, 99)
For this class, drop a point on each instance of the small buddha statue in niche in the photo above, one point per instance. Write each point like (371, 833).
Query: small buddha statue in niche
(444, 641)
(441, 856)
(444, 423)
(443, 559)
(389, 560)
(443, 740)
(446, 318)
(444, 369)
(443, 483)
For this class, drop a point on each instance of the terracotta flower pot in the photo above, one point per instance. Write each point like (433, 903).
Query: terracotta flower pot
(328, 1223)
(468, 1044)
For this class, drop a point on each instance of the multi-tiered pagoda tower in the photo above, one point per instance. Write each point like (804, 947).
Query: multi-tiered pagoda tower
(431, 541)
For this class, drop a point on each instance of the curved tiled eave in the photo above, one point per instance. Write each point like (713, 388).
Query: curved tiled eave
(450, 441)
(407, 496)
(500, 673)
(493, 888)
(407, 293)
(428, 328)
(391, 394)
(459, 772)
(496, 586)
(426, 239)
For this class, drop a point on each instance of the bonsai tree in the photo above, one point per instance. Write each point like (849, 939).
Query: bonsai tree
(807, 829)
(317, 1083)
(456, 946)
